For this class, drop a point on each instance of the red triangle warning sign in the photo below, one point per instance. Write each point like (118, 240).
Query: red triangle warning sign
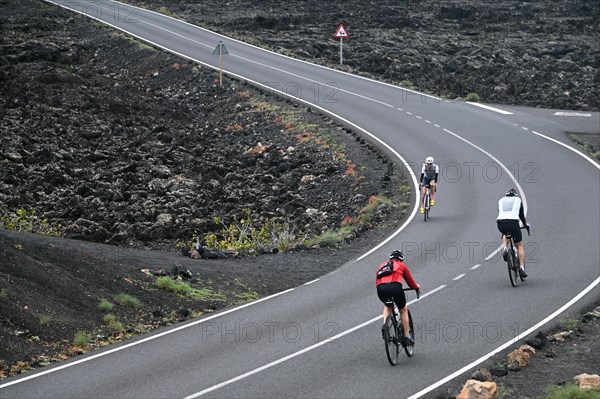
(341, 32)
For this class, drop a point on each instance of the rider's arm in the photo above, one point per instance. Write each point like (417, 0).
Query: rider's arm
(409, 279)
(522, 215)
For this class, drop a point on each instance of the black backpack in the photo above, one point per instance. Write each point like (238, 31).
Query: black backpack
(386, 269)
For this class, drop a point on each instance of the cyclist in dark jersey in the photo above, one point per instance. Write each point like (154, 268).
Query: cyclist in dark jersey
(390, 286)
(429, 178)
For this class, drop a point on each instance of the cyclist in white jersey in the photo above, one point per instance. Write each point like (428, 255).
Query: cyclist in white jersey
(429, 177)
(510, 211)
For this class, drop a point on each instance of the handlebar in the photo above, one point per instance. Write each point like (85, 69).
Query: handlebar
(418, 291)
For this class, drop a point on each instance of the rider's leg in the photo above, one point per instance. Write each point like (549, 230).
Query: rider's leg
(387, 310)
(404, 319)
(423, 190)
(521, 252)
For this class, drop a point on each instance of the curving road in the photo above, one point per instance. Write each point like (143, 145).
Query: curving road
(322, 339)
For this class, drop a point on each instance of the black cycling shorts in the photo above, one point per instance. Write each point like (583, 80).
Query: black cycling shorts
(510, 226)
(426, 180)
(392, 290)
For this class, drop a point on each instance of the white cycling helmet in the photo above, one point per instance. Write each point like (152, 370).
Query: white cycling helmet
(429, 160)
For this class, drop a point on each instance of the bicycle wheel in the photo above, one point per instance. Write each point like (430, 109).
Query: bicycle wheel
(410, 350)
(512, 268)
(426, 206)
(391, 341)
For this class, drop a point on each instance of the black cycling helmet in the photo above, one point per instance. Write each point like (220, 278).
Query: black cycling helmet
(511, 192)
(396, 254)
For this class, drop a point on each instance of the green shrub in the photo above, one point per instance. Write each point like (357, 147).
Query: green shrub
(182, 288)
(570, 324)
(81, 339)
(248, 236)
(168, 284)
(473, 97)
(407, 84)
(105, 306)
(127, 300)
(570, 391)
(112, 322)
(28, 221)
(45, 320)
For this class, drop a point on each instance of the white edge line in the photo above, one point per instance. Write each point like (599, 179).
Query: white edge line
(500, 111)
(129, 345)
(590, 160)
(310, 282)
(507, 344)
(296, 354)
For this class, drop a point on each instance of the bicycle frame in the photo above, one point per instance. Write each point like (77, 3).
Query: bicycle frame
(393, 332)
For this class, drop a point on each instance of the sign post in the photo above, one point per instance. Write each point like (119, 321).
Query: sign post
(220, 50)
(341, 33)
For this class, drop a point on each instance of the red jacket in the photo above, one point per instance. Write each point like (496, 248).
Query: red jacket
(400, 271)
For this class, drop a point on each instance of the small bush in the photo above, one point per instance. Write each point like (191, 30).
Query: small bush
(168, 284)
(112, 322)
(27, 220)
(571, 391)
(105, 306)
(570, 324)
(128, 301)
(407, 84)
(3, 293)
(473, 97)
(45, 320)
(330, 238)
(81, 339)
(405, 190)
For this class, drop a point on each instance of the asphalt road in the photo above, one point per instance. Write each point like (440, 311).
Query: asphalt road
(322, 340)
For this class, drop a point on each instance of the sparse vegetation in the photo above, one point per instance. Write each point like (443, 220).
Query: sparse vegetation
(128, 301)
(113, 324)
(105, 306)
(184, 289)
(26, 220)
(473, 97)
(82, 339)
(45, 320)
(249, 236)
(407, 84)
(570, 391)
(405, 190)
(571, 323)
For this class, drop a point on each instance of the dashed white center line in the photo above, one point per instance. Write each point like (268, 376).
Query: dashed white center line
(459, 277)
(475, 267)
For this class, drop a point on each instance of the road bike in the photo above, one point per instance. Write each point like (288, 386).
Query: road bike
(393, 332)
(426, 203)
(512, 260)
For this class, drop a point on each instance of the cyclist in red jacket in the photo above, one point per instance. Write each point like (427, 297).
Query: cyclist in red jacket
(389, 285)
